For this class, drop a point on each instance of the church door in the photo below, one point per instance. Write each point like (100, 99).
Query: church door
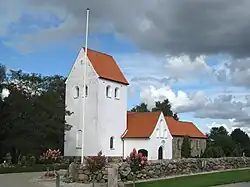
(160, 153)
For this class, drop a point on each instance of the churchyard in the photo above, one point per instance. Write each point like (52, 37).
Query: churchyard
(19, 154)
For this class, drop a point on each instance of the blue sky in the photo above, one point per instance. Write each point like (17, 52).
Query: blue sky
(200, 62)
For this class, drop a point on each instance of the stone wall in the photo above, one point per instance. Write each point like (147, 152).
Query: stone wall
(164, 168)
(197, 146)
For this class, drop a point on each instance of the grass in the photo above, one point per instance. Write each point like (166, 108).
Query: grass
(202, 180)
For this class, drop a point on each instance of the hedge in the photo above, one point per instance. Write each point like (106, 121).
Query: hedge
(35, 168)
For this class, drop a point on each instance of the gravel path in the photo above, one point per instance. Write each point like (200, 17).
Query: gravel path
(19, 180)
(31, 180)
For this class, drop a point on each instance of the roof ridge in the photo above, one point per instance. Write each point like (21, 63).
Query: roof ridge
(186, 122)
(98, 52)
(145, 112)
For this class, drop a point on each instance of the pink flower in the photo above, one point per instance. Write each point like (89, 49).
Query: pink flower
(134, 151)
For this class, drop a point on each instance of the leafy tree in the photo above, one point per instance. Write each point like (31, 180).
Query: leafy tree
(216, 131)
(142, 107)
(163, 106)
(33, 116)
(226, 143)
(241, 139)
(237, 150)
(213, 152)
(223, 144)
(186, 148)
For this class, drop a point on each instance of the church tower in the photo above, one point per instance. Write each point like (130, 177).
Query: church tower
(105, 95)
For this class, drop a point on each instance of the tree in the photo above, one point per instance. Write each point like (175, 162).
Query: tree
(212, 151)
(241, 139)
(223, 144)
(2, 77)
(35, 110)
(186, 147)
(142, 107)
(164, 107)
(237, 150)
(216, 131)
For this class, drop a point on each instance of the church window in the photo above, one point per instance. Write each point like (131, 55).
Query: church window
(117, 93)
(86, 91)
(161, 129)
(79, 139)
(77, 92)
(157, 133)
(111, 143)
(165, 133)
(108, 91)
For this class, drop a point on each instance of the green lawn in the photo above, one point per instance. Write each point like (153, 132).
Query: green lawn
(203, 180)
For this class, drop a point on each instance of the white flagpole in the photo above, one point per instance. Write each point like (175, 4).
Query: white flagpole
(85, 81)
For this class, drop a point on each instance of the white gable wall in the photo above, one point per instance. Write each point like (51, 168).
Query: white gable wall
(152, 143)
(75, 105)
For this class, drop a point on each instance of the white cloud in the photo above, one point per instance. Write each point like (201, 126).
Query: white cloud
(5, 93)
(221, 107)
(235, 72)
(183, 67)
(181, 101)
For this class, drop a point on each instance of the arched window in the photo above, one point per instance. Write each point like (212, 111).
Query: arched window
(117, 93)
(161, 129)
(77, 92)
(111, 143)
(165, 133)
(108, 91)
(86, 91)
(157, 133)
(79, 139)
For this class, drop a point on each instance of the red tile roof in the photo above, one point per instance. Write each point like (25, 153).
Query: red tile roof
(105, 66)
(181, 128)
(142, 125)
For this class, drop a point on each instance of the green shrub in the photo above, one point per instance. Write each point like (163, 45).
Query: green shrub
(186, 148)
(23, 161)
(35, 168)
(32, 161)
(8, 158)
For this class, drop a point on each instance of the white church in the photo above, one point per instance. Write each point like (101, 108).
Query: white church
(107, 126)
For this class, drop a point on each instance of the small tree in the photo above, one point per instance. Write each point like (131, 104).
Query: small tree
(186, 147)
(136, 162)
(51, 157)
(95, 164)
